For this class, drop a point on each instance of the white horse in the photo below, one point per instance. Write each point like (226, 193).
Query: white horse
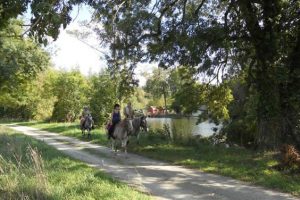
(138, 123)
(121, 133)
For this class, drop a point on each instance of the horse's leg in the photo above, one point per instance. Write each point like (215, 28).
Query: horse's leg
(125, 148)
(89, 133)
(138, 138)
(113, 145)
(124, 145)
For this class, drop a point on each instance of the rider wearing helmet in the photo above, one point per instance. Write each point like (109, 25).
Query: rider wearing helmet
(85, 113)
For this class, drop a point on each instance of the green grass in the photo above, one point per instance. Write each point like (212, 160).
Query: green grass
(242, 164)
(237, 163)
(30, 169)
(69, 129)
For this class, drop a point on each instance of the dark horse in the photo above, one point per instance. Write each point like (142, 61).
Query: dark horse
(138, 123)
(87, 125)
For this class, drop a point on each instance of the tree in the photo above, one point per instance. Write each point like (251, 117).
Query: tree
(138, 99)
(21, 60)
(189, 95)
(157, 85)
(183, 86)
(46, 16)
(41, 98)
(103, 97)
(71, 90)
(220, 39)
(125, 83)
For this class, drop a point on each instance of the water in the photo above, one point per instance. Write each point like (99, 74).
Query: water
(183, 126)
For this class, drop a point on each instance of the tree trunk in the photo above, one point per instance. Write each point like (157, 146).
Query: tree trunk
(165, 100)
(265, 42)
(290, 92)
(268, 112)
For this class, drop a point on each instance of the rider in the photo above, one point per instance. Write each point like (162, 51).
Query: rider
(115, 118)
(128, 111)
(85, 113)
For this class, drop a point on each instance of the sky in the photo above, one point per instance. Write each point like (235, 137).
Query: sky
(67, 52)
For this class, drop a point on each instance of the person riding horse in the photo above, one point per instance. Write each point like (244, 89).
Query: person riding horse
(85, 113)
(119, 130)
(128, 111)
(115, 119)
(86, 121)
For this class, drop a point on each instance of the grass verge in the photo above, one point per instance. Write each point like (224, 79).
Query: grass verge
(30, 169)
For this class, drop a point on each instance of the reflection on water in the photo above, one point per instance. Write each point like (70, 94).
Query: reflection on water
(183, 126)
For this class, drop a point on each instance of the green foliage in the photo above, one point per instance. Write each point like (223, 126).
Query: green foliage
(189, 95)
(220, 39)
(157, 85)
(46, 16)
(242, 128)
(188, 98)
(41, 96)
(21, 60)
(217, 100)
(103, 97)
(125, 83)
(184, 89)
(71, 90)
(11, 9)
(138, 99)
(217, 39)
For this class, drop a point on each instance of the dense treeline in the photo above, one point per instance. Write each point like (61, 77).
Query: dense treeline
(247, 53)
(255, 44)
(31, 89)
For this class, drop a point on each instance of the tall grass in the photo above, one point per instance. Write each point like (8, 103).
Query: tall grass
(22, 173)
(29, 169)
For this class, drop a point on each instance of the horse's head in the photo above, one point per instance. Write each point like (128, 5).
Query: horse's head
(143, 123)
(128, 124)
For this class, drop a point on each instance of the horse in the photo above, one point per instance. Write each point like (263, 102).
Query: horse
(121, 133)
(86, 123)
(139, 123)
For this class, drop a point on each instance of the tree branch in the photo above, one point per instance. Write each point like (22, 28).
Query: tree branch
(183, 11)
(199, 7)
(226, 15)
(32, 26)
(162, 13)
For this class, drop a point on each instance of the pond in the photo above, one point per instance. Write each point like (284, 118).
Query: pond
(183, 127)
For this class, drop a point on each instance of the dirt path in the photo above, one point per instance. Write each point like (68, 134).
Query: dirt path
(157, 178)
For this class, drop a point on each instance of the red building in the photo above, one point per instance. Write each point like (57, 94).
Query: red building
(154, 111)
